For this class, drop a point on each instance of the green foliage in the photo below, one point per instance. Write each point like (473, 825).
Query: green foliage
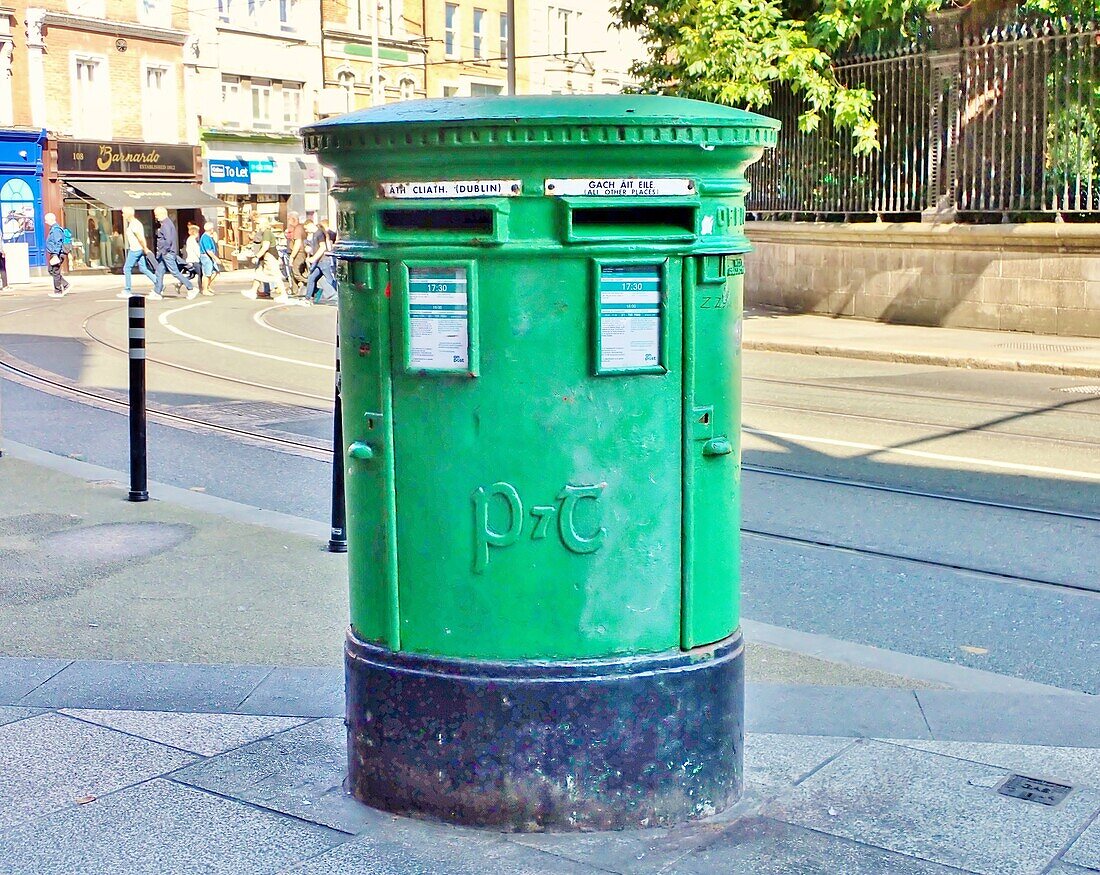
(735, 51)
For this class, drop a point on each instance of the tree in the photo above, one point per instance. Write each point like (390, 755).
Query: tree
(735, 51)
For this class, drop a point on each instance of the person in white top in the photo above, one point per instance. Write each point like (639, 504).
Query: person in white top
(191, 250)
(137, 251)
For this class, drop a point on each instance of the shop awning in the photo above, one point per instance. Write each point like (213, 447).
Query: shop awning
(147, 195)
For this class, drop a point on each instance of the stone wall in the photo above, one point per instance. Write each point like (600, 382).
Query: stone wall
(1042, 278)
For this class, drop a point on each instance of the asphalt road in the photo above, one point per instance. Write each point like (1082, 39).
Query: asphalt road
(1008, 574)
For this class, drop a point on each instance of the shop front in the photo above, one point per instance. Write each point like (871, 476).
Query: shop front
(21, 201)
(259, 180)
(97, 180)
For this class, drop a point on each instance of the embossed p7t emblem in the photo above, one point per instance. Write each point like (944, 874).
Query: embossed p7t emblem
(545, 515)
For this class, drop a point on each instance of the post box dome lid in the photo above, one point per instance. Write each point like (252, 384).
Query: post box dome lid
(543, 110)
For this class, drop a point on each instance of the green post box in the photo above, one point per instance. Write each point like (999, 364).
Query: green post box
(540, 316)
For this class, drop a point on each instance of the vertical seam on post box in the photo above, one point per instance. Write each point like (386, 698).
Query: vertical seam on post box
(393, 620)
(687, 460)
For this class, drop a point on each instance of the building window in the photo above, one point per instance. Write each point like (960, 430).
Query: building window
(89, 8)
(224, 7)
(158, 104)
(450, 30)
(482, 89)
(91, 91)
(563, 26)
(388, 14)
(156, 12)
(504, 35)
(231, 101)
(292, 107)
(479, 33)
(288, 14)
(261, 103)
(408, 89)
(450, 90)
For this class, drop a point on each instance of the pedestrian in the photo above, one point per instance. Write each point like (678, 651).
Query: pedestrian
(191, 251)
(267, 266)
(167, 259)
(209, 263)
(56, 254)
(3, 266)
(321, 264)
(296, 254)
(137, 252)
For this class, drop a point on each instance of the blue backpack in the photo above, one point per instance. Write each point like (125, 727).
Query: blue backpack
(66, 240)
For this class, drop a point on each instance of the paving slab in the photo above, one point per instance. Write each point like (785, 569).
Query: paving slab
(836, 711)
(205, 734)
(934, 808)
(11, 713)
(771, 847)
(20, 675)
(1021, 719)
(301, 692)
(160, 828)
(775, 762)
(637, 852)
(405, 847)
(1072, 765)
(298, 772)
(154, 686)
(51, 761)
(1086, 850)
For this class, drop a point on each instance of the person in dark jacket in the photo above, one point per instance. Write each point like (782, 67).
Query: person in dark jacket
(55, 255)
(167, 253)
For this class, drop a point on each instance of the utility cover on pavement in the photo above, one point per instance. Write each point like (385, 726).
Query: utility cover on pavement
(1034, 790)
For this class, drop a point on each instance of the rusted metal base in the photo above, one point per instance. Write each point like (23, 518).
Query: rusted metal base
(523, 747)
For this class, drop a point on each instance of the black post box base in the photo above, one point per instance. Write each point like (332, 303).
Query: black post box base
(522, 747)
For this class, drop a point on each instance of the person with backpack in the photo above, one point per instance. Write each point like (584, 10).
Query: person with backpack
(168, 257)
(59, 243)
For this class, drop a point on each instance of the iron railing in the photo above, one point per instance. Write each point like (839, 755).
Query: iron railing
(993, 123)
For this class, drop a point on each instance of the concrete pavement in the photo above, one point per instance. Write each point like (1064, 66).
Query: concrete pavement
(171, 694)
(116, 767)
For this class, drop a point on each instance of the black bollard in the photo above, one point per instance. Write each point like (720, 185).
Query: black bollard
(139, 486)
(338, 542)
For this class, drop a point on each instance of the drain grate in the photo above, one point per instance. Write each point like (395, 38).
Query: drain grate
(1079, 390)
(1035, 346)
(1034, 790)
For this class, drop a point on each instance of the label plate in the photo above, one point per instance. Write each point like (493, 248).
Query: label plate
(439, 337)
(630, 317)
(450, 189)
(621, 187)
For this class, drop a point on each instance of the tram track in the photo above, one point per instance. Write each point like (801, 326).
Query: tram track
(928, 563)
(27, 375)
(197, 371)
(947, 429)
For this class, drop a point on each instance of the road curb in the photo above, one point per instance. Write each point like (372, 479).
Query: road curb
(921, 668)
(921, 358)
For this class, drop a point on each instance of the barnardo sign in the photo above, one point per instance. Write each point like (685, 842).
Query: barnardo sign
(89, 158)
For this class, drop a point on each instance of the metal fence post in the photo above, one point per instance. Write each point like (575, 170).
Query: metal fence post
(338, 541)
(139, 486)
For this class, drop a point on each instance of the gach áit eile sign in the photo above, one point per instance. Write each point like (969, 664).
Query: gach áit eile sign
(125, 159)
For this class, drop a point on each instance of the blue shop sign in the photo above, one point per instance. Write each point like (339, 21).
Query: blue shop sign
(226, 170)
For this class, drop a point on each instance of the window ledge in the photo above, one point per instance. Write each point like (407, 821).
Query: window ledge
(116, 28)
(282, 35)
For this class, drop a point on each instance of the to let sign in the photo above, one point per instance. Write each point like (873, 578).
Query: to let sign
(125, 159)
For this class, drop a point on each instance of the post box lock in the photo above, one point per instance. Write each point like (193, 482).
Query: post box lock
(718, 446)
(361, 451)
